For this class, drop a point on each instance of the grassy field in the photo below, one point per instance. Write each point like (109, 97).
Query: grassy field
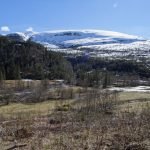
(134, 101)
(134, 95)
(77, 124)
(31, 110)
(137, 98)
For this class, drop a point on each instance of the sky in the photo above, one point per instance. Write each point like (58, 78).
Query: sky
(127, 16)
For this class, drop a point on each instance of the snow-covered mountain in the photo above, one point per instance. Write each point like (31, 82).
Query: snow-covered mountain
(94, 42)
(20, 36)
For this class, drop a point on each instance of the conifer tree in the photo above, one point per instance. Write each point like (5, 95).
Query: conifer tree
(106, 80)
(17, 72)
(1, 76)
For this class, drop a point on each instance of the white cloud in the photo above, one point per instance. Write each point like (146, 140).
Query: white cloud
(5, 29)
(115, 5)
(30, 29)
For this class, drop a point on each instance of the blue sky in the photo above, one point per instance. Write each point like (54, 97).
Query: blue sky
(128, 16)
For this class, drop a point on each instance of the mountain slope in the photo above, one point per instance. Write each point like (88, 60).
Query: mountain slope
(83, 38)
(94, 42)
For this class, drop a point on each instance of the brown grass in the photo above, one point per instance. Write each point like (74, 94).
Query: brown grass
(91, 121)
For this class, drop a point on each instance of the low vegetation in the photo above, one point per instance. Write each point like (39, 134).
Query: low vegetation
(74, 118)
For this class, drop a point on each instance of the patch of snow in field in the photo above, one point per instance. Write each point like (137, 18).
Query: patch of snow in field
(27, 80)
(131, 89)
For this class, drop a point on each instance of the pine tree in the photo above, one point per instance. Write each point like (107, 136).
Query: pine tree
(1, 79)
(17, 72)
(11, 71)
(106, 80)
(1, 76)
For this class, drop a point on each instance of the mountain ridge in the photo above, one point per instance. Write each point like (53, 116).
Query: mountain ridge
(95, 42)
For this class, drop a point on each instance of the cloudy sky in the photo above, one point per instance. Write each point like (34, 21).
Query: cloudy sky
(128, 16)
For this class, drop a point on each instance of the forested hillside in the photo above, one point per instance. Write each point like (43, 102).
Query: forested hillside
(31, 60)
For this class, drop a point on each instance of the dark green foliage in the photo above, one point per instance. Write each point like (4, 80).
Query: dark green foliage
(119, 66)
(99, 71)
(1, 76)
(32, 60)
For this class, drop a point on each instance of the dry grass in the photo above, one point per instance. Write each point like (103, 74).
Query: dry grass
(134, 107)
(133, 95)
(89, 122)
(32, 109)
(133, 101)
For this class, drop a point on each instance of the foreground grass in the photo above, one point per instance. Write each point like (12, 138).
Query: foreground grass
(130, 101)
(51, 125)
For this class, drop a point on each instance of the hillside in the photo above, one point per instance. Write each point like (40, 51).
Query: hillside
(95, 43)
(31, 60)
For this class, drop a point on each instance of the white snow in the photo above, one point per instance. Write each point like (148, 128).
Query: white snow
(145, 45)
(131, 89)
(27, 80)
(93, 33)
(96, 42)
(82, 37)
(23, 35)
